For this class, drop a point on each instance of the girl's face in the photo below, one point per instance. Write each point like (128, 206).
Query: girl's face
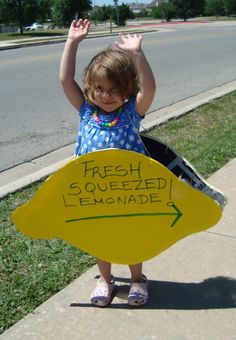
(106, 96)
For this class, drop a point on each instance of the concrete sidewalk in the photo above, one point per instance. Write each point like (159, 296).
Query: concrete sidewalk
(192, 288)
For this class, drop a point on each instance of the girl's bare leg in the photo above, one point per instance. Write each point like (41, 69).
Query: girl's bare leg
(136, 272)
(104, 270)
(138, 293)
(102, 294)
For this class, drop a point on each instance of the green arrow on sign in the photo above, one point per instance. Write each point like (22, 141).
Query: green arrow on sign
(177, 215)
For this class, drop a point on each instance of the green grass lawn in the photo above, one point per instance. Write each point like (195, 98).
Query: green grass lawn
(31, 271)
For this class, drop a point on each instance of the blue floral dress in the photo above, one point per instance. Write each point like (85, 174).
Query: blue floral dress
(93, 136)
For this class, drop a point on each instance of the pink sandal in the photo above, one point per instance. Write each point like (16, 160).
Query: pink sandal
(138, 294)
(103, 293)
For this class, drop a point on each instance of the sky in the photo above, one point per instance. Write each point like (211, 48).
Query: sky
(111, 2)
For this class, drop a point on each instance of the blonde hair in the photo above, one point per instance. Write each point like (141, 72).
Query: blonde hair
(118, 67)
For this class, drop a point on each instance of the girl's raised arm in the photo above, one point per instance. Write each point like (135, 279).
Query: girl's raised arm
(77, 32)
(132, 44)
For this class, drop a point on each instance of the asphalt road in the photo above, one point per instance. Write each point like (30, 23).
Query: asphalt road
(35, 117)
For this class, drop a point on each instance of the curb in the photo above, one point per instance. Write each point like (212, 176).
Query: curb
(25, 174)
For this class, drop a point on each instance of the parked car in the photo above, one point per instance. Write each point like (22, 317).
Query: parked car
(34, 27)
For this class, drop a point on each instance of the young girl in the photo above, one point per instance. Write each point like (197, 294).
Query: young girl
(118, 89)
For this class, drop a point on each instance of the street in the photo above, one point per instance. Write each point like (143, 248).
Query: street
(35, 117)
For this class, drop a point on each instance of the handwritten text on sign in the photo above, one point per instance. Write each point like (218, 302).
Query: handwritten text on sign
(116, 185)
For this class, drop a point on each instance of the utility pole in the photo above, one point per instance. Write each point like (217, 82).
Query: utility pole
(117, 12)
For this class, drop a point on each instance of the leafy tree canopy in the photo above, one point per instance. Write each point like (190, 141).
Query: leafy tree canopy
(101, 14)
(215, 7)
(23, 12)
(220, 7)
(64, 11)
(188, 8)
(121, 14)
(164, 11)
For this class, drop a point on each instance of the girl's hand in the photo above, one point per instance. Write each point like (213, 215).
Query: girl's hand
(79, 30)
(130, 42)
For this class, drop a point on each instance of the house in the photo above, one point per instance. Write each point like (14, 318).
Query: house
(136, 7)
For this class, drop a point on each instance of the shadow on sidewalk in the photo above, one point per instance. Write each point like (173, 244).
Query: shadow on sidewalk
(212, 293)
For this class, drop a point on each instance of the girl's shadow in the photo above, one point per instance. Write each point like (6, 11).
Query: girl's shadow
(218, 292)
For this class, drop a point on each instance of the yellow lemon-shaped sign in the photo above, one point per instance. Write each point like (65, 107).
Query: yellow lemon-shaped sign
(118, 205)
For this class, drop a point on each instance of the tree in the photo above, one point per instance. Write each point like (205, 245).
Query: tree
(101, 14)
(64, 11)
(188, 8)
(121, 13)
(22, 12)
(141, 14)
(230, 7)
(164, 11)
(215, 7)
(44, 10)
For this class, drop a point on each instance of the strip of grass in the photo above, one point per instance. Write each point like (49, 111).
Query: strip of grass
(32, 34)
(33, 270)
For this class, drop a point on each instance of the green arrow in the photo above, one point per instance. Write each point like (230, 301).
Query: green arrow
(177, 213)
